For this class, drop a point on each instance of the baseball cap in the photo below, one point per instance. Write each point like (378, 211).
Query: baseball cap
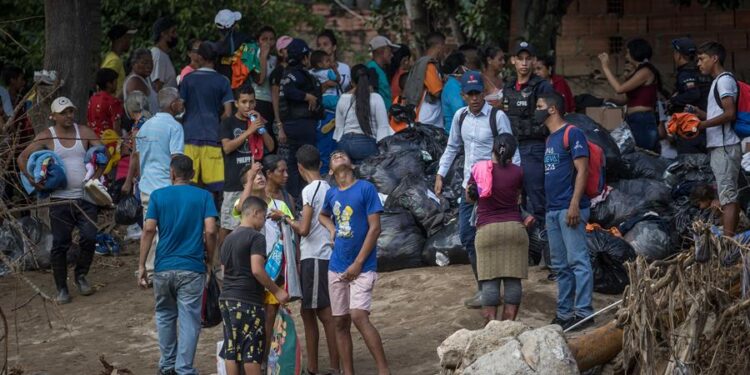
(226, 18)
(60, 104)
(118, 31)
(524, 46)
(283, 42)
(684, 46)
(380, 42)
(471, 81)
(297, 49)
(161, 25)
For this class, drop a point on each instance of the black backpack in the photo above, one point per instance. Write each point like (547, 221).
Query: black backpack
(493, 121)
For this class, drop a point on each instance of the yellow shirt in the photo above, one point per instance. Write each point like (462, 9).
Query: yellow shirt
(114, 62)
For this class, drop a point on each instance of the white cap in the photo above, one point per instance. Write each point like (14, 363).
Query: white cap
(226, 18)
(380, 42)
(60, 104)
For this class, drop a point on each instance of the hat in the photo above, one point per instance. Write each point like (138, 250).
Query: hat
(226, 18)
(60, 104)
(118, 31)
(297, 49)
(471, 81)
(161, 25)
(380, 42)
(684, 46)
(283, 42)
(524, 46)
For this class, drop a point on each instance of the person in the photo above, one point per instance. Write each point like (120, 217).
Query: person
(400, 64)
(565, 171)
(723, 144)
(208, 100)
(471, 130)
(185, 217)
(261, 80)
(323, 68)
(519, 97)
(165, 40)
(140, 79)
(276, 170)
(193, 45)
(120, 37)
(361, 117)
(243, 142)
(472, 56)
(160, 139)
(231, 40)
(135, 109)
(12, 85)
(492, 61)
(381, 50)
(351, 213)
(545, 68)
(424, 85)
(315, 252)
(276, 93)
(105, 111)
(641, 87)
(69, 141)
(327, 42)
(501, 241)
(243, 257)
(691, 91)
(450, 98)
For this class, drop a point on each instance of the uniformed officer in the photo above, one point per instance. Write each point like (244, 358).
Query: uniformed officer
(691, 90)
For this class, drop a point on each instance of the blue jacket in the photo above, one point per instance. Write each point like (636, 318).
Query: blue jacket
(451, 100)
(55, 178)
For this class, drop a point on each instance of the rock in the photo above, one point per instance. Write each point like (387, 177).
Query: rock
(452, 349)
(494, 335)
(546, 352)
(508, 360)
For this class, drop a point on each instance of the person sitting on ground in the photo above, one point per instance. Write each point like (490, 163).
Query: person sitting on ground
(105, 111)
(704, 197)
(545, 68)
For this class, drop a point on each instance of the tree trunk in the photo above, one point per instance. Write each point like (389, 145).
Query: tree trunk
(420, 24)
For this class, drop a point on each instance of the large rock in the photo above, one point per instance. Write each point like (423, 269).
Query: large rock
(494, 335)
(452, 349)
(508, 360)
(546, 351)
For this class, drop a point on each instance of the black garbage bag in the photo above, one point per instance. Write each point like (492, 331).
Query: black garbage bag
(689, 167)
(210, 312)
(426, 138)
(11, 245)
(608, 253)
(617, 208)
(386, 170)
(597, 134)
(452, 183)
(654, 192)
(444, 247)
(33, 254)
(416, 196)
(649, 236)
(128, 210)
(538, 244)
(401, 241)
(641, 164)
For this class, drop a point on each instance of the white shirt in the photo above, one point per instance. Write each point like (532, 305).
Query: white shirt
(721, 135)
(430, 113)
(345, 75)
(163, 68)
(347, 122)
(317, 244)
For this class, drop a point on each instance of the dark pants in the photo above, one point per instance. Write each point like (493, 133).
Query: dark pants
(358, 146)
(63, 218)
(467, 233)
(532, 162)
(299, 132)
(644, 128)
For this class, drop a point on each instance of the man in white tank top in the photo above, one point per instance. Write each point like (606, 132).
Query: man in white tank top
(70, 142)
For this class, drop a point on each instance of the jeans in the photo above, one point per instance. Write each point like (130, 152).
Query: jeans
(358, 146)
(299, 132)
(467, 233)
(325, 142)
(532, 162)
(644, 128)
(178, 297)
(63, 218)
(571, 262)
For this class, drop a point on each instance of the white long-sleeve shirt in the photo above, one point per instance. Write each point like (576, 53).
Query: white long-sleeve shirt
(347, 122)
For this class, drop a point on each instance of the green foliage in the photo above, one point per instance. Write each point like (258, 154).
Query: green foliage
(22, 33)
(483, 21)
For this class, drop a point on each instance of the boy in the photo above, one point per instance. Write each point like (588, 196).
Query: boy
(105, 110)
(243, 258)
(324, 69)
(355, 207)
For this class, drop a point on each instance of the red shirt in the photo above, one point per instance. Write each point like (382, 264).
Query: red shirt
(562, 88)
(104, 110)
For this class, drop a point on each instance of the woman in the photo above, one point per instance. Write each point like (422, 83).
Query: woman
(492, 60)
(641, 88)
(501, 241)
(274, 80)
(545, 68)
(140, 79)
(361, 117)
(277, 175)
(400, 65)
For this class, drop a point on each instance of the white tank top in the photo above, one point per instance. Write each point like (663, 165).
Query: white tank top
(75, 169)
(152, 95)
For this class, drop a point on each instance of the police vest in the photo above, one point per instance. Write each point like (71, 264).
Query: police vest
(520, 106)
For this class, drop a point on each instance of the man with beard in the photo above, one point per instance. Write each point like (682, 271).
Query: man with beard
(165, 37)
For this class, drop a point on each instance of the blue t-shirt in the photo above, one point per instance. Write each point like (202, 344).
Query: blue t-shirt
(349, 209)
(158, 139)
(559, 171)
(205, 92)
(451, 100)
(179, 212)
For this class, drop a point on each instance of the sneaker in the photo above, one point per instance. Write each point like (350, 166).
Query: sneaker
(583, 325)
(101, 245)
(167, 372)
(83, 286)
(564, 323)
(63, 296)
(474, 302)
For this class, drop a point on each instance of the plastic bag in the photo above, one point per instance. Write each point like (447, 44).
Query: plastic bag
(128, 211)
(643, 165)
(649, 237)
(386, 171)
(655, 192)
(681, 222)
(624, 138)
(426, 138)
(210, 313)
(284, 356)
(689, 167)
(601, 137)
(608, 255)
(538, 245)
(400, 243)
(452, 183)
(444, 247)
(617, 208)
(415, 195)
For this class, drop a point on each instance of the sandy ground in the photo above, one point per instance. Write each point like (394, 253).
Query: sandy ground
(413, 309)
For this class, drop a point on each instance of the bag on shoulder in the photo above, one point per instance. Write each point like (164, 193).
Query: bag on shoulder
(595, 181)
(741, 124)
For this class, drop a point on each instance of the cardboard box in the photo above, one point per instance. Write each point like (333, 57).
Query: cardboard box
(609, 118)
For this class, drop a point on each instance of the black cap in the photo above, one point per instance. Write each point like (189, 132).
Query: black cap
(118, 31)
(161, 25)
(524, 46)
(684, 46)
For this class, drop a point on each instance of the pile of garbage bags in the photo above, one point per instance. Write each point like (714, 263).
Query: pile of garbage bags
(29, 250)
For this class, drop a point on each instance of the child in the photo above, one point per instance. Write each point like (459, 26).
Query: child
(324, 69)
(105, 110)
(243, 257)
(355, 207)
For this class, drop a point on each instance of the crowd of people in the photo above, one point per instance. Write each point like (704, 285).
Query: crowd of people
(245, 160)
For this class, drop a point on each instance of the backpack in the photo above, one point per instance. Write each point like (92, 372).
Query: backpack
(493, 121)
(597, 166)
(741, 124)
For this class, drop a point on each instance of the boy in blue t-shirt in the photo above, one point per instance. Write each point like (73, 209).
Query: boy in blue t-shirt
(565, 171)
(354, 206)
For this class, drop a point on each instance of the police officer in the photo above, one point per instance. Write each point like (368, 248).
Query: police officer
(691, 91)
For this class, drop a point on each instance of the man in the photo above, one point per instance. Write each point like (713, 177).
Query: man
(691, 91)
(565, 172)
(723, 144)
(424, 84)
(120, 36)
(355, 208)
(165, 37)
(160, 138)
(381, 49)
(69, 141)
(472, 130)
(472, 56)
(453, 68)
(231, 39)
(208, 100)
(185, 217)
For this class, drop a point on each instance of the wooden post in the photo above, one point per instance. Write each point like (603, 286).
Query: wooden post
(597, 347)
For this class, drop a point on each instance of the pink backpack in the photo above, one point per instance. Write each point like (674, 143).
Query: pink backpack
(482, 173)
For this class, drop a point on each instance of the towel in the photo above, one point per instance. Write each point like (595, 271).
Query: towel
(482, 173)
(48, 169)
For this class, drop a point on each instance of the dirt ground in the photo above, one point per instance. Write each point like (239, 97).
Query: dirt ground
(413, 309)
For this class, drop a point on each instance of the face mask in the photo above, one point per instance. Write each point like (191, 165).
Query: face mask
(540, 116)
(173, 42)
